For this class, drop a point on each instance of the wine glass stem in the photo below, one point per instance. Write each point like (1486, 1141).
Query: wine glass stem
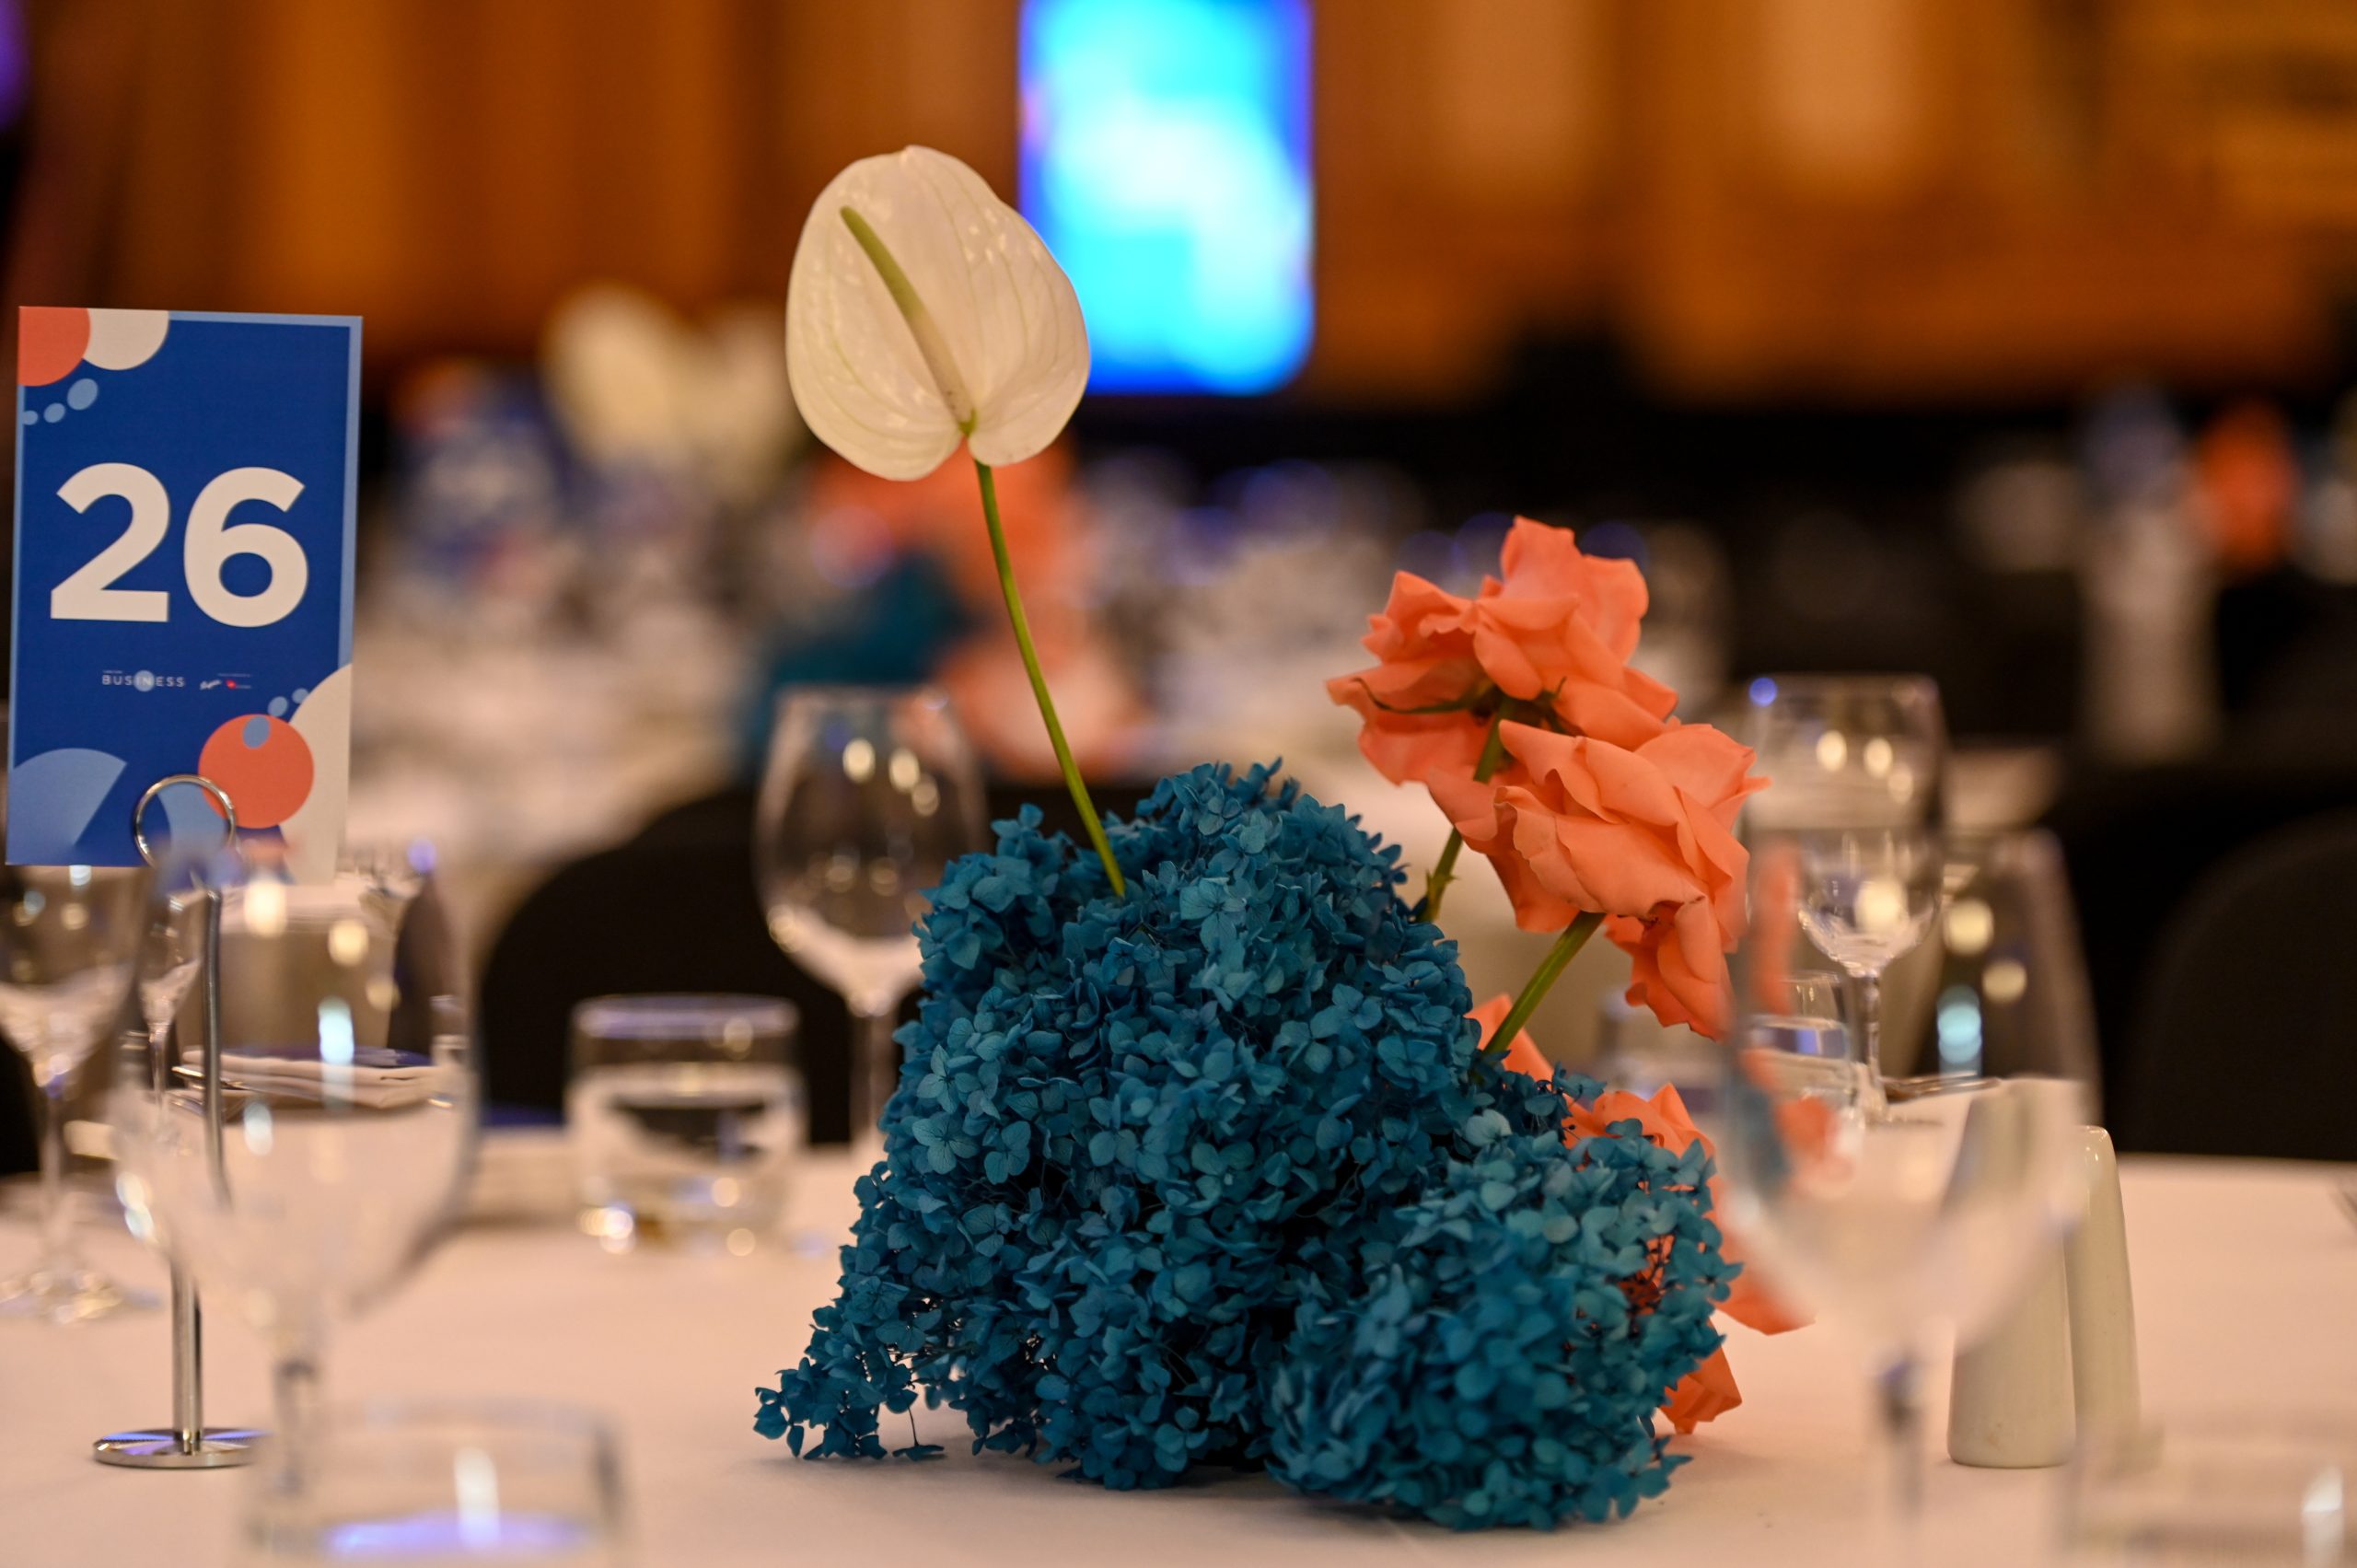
(1899, 1400)
(58, 1260)
(294, 1396)
(1870, 1026)
(874, 1072)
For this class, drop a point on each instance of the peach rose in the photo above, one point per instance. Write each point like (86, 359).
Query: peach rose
(1704, 1394)
(1645, 837)
(1557, 629)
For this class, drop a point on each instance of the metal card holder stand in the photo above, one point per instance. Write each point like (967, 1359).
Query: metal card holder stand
(188, 1443)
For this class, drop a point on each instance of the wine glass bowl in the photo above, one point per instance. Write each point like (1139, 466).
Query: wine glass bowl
(1847, 750)
(70, 944)
(346, 1112)
(867, 796)
(447, 1481)
(1868, 895)
(1906, 1218)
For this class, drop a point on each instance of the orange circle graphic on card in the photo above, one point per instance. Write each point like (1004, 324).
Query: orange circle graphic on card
(50, 341)
(263, 763)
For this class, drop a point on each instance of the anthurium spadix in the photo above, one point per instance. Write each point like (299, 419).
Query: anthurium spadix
(924, 312)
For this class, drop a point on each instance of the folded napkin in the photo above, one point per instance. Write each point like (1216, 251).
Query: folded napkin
(379, 1079)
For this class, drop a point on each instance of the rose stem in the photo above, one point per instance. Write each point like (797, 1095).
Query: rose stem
(1567, 947)
(1443, 871)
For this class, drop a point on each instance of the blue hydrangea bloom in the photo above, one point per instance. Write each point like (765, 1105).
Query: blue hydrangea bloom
(1154, 1161)
(1499, 1361)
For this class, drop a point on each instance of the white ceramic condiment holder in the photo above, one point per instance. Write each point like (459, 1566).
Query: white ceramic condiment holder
(2064, 1360)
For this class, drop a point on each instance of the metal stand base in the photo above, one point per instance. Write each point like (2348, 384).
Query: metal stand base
(160, 1450)
(188, 1443)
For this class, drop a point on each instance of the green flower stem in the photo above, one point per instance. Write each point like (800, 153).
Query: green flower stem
(1551, 968)
(1443, 871)
(1022, 624)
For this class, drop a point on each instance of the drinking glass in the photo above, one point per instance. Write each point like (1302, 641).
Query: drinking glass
(443, 1481)
(1636, 1052)
(1866, 896)
(70, 940)
(347, 1115)
(685, 1113)
(1904, 1221)
(167, 960)
(2225, 1491)
(1847, 752)
(1860, 765)
(868, 794)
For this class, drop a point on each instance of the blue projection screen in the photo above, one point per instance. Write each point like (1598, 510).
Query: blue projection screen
(1166, 161)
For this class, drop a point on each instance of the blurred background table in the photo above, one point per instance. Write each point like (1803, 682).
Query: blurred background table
(670, 1347)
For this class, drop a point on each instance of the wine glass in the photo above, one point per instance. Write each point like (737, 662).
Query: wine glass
(1900, 1222)
(869, 793)
(346, 1106)
(1859, 765)
(70, 939)
(449, 1480)
(1865, 898)
(1847, 752)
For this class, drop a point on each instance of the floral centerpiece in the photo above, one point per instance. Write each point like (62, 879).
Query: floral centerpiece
(1202, 1154)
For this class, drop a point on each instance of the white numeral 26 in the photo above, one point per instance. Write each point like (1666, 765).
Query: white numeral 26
(90, 593)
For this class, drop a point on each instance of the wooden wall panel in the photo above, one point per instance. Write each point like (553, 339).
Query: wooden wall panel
(1760, 198)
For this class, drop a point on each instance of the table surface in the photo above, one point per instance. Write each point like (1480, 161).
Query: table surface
(2244, 1275)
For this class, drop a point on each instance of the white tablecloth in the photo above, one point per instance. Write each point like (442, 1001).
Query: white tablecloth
(2244, 1276)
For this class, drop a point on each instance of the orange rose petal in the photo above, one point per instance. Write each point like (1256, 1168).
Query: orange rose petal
(1704, 1394)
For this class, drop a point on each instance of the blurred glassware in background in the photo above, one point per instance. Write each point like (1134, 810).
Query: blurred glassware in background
(2148, 580)
(1866, 899)
(69, 943)
(560, 619)
(169, 958)
(1240, 605)
(1923, 1217)
(1689, 610)
(2010, 969)
(2327, 544)
(1847, 752)
(1637, 1051)
(2023, 513)
(348, 1107)
(2277, 1490)
(1859, 770)
(869, 793)
(436, 1481)
(1800, 1018)
(686, 1114)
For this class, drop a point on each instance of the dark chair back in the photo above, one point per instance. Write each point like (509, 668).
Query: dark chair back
(675, 910)
(2244, 1039)
(647, 916)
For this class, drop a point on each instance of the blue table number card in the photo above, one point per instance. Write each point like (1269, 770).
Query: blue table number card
(184, 518)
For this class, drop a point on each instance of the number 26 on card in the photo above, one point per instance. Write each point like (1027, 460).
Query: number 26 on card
(183, 587)
(88, 594)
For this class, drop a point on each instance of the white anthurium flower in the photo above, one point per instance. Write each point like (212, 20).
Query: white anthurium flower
(924, 310)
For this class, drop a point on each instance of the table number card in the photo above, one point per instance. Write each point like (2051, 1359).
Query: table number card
(183, 587)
